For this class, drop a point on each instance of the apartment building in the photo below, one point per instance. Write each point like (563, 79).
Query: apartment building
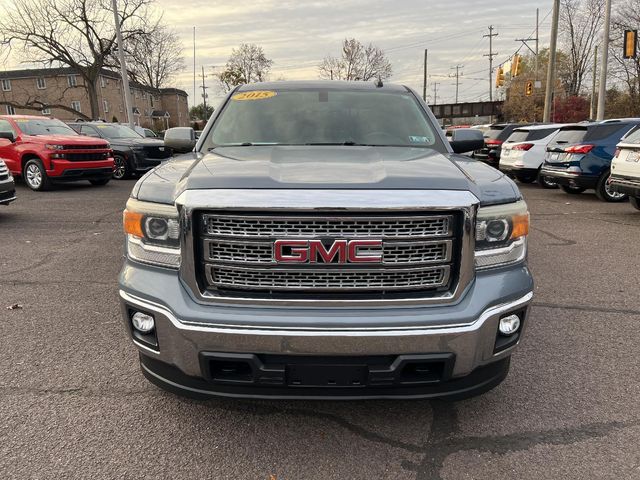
(152, 108)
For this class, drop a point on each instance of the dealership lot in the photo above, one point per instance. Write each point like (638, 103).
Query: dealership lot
(74, 403)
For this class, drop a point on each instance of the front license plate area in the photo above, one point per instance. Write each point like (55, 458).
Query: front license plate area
(327, 375)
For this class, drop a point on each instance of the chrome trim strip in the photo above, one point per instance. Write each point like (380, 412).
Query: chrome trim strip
(342, 201)
(306, 331)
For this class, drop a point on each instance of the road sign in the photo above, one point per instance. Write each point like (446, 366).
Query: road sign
(528, 88)
(630, 43)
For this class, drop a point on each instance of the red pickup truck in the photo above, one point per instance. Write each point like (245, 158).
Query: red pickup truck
(44, 150)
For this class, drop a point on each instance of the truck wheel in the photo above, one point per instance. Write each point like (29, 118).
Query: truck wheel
(102, 181)
(121, 169)
(605, 193)
(635, 202)
(546, 182)
(572, 190)
(35, 176)
(526, 178)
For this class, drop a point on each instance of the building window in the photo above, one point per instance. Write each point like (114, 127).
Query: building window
(46, 111)
(41, 83)
(11, 110)
(76, 106)
(105, 104)
(72, 80)
(6, 85)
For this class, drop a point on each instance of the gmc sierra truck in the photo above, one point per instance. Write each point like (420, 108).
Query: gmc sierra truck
(44, 150)
(325, 240)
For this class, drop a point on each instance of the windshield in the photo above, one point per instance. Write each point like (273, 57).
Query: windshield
(494, 132)
(633, 137)
(322, 117)
(44, 127)
(117, 131)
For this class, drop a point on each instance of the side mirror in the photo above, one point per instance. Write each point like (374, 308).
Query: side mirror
(9, 136)
(180, 139)
(465, 140)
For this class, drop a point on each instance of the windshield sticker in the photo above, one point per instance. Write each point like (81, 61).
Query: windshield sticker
(255, 95)
(413, 139)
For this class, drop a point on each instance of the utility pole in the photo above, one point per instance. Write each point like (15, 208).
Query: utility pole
(602, 91)
(551, 70)
(535, 83)
(457, 75)
(424, 80)
(490, 55)
(204, 96)
(123, 65)
(592, 107)
(194, 67)
(435, 92)
(536, 39)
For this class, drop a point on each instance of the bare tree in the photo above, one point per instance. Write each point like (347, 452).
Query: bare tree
(581, 22)
(357, 62)
(154, 58)
(246, 64)
(74, 33)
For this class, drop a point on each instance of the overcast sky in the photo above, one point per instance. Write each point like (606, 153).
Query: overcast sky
(297, 34)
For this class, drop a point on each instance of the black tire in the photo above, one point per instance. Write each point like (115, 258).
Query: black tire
(121, 168)
(99, 183)
(606, 194)
(35, 176)
(635, 202)
(545, 182)
(572, 190)
(526, 178)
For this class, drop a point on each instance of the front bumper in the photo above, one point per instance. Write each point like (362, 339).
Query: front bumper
(66, 170)
(562, 177)
(465, 333)
(514, 171)
(7, 191)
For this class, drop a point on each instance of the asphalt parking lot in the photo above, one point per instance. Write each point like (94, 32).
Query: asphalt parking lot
(74, 404)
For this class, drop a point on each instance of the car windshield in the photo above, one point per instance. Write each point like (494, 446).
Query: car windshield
(44, 127)
(117, 131)
(494, 132)
(322, 117)
(633, 137)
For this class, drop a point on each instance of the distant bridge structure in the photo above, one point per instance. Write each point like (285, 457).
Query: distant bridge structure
(468, 113)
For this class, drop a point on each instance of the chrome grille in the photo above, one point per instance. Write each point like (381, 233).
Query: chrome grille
(4, 171)
(314, 227)
(333, 279)
(418, 252)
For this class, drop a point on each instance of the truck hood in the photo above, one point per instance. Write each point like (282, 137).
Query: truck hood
(325, 167)
(64, 139)
(138, 142)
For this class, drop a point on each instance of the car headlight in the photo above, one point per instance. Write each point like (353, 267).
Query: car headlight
(153, 233)
(501, 234)
(53, 146)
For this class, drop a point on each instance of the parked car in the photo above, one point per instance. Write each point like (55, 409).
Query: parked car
(625, 167)
(44, 150)
(522, 154)
(330, 242)
(579, 157)
(494, 137)
(7, 185)
(144, 132)
(132, 153)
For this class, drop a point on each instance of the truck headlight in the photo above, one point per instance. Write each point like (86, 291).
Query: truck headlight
(501, 234)
(153, 233)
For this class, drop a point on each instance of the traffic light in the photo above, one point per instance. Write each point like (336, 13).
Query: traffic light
(500, 77)
(515, 65)
(630, 43)
(528, 88)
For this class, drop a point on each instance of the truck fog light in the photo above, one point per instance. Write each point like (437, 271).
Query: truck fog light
(142, 322)
(509, 324)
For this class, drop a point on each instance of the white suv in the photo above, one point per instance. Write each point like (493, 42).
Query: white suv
(523, 153)
(625, 167)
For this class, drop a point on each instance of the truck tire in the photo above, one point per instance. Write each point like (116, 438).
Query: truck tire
(605, 193)
(635, 202)
(121, 168)
(572, 190)
(546, 182)
(35, 175)
(100, 182)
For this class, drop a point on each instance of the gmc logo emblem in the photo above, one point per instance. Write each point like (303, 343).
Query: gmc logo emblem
(340, 251)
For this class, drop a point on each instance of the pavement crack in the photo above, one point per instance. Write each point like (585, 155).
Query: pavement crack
(564, 242)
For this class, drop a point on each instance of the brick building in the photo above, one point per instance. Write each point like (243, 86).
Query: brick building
(153, 108)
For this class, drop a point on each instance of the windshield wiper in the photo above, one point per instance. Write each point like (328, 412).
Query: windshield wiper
(349, 143)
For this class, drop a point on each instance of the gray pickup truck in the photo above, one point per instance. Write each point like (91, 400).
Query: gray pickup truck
(323, 240)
